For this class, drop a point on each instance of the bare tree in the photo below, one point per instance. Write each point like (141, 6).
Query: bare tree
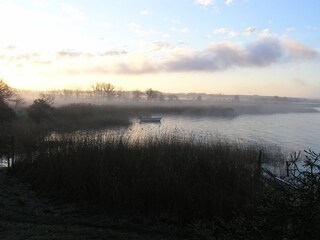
(122, 95)
(173, 97)
(18, 100)
(104, 90)
(47, 98)
(6, 91)
(151, 94)
(137, 95)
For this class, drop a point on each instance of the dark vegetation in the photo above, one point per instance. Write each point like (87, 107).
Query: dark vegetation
(215, 190)
(6, 113)
(178, 179)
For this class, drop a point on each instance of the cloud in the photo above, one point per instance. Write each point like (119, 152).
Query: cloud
(204, 2)
(300, 82)
(249, 31)
(290, 29)
(265, 32)
(185, 30)
(114, 52)
(72, 54)
(8, 47)
(297, 51)
(40, 3)
(264, 52)
(145, 12)
(221, 56)
(137, 29)
(161, 45)
(228, 2)
(228, 31)
(73, 12)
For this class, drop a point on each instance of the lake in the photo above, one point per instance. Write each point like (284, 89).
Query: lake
(291, 131)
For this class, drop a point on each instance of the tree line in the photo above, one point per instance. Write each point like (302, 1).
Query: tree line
(107, 91)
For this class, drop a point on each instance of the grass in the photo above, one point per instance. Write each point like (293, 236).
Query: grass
(86, 116)
(175, 179)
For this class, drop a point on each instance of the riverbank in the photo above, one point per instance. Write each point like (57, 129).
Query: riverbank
(26, 215)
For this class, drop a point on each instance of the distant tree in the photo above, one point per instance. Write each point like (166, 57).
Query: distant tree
(48, 98)
(122, 95)
(104, 90)
(6, 92)
(151, 94)
(137, 95)
(173, 97)
(236, 98)
(67, 93)
(159, 96)
(6, 113)
(41, 108)
(17, 100)
(199, 98)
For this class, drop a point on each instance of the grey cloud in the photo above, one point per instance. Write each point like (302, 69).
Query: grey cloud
(217, 57)
(161, 45)
(260, 53)
(24, 57)
(114, 53)
(297, 51)
(299, 81)
(264, 52)
(8, 48)
(72, 54)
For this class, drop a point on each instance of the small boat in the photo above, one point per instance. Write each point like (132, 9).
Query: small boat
(149, 119)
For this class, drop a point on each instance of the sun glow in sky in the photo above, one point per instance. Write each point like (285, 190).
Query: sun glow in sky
(215, 46)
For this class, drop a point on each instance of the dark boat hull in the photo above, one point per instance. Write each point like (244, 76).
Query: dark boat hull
(150, 119)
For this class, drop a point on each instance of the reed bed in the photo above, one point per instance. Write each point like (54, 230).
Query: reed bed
(174, 178)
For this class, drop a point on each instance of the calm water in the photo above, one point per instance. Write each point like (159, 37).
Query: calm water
(293, 132)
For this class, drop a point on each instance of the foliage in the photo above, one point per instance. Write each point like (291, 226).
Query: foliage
(6, 113)
(87, 116)
(178, 179)
(287, 208)
(40, 110)
(5, 91)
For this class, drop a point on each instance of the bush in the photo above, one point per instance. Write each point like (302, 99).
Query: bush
(40, 110)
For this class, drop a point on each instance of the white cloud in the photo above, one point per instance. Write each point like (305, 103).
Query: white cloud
(265, 32)
(137, 29)
(40, 3)
(228, 31)
(249, 31)
(145, 12)
(161, 45)
(73, 12)
(228, 2)
(185, 30)
(312, 28)
(204, 2)
(290, 29)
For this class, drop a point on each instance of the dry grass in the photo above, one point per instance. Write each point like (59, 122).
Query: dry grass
(177, 179)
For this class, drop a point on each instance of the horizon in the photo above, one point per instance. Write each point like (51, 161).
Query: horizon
(232, 47)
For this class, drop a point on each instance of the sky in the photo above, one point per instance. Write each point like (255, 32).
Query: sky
(262, 47)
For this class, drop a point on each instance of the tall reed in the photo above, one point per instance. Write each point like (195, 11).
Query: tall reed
(176, 178)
